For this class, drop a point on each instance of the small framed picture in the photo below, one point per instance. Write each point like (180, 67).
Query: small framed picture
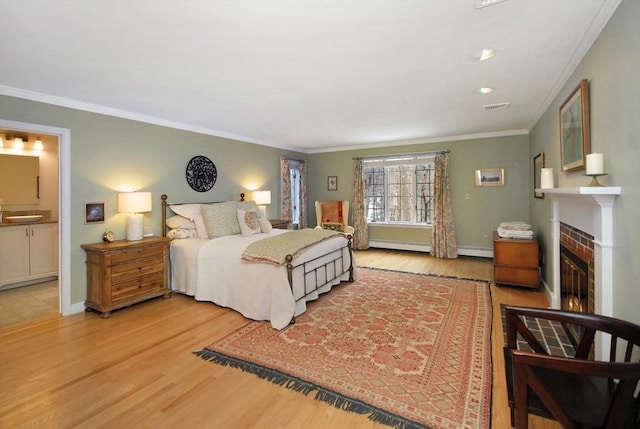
(94, 213)
(332, 183)
(538, 165)
(489, 177)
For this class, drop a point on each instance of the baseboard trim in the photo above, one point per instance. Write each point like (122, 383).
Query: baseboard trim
(77, 307)
(426, 248)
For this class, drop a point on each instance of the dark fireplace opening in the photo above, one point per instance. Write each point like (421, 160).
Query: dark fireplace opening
(574, 281)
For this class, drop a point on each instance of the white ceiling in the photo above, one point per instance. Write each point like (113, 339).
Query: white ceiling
(307, 75)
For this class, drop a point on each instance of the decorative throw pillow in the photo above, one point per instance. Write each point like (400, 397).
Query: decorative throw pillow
(221, 219)
(265, 225)
(333, 226)
(182, 233)
(193, 212)
(249, 222)
(249, 205)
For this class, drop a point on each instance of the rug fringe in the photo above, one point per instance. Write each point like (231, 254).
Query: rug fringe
(322, 394)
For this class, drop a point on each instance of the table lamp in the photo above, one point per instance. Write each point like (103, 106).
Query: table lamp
(262, 199)
(134, 204)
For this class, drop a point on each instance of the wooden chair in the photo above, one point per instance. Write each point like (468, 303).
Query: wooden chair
(577, 391)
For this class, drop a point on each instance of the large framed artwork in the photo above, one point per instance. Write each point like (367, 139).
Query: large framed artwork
(574, 128)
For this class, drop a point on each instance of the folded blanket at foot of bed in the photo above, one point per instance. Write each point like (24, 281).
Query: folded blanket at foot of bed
(275, 249)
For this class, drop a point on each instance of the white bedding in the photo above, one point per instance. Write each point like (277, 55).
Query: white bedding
(212, 270)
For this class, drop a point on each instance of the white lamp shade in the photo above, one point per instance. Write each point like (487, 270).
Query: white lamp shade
(262, 197)
(134, 202)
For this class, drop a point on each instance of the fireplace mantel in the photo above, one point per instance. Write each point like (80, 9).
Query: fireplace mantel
(586, 193)
(589, 208)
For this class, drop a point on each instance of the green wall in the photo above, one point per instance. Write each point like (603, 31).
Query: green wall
(476, 217)
(110, 154)
(612, 67)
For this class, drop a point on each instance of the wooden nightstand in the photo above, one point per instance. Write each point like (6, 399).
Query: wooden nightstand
(280, 223)
(123, 273)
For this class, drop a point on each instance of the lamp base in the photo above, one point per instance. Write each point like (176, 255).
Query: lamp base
(135, 227)
(594, 179)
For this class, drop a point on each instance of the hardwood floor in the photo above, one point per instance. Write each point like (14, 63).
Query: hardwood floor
(136, 368)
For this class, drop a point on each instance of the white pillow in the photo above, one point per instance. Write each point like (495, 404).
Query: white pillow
(249, 222)
(192, 212)
(181, 233)
(265, 225)
(221, 219)
(180, 222)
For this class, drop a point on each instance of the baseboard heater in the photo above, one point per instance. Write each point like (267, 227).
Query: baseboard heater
(481, 252)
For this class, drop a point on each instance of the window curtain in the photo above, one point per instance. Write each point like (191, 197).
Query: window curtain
(443, 237)
(285, 181)
(361, 234)
(302, 167)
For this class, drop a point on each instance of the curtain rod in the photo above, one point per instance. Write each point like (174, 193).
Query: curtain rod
(293, 159)
(429, 152)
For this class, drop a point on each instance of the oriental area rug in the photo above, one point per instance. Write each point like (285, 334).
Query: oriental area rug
(408, 350)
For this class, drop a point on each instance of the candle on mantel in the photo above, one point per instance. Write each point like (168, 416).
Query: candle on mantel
(546, 178)
(595, 163)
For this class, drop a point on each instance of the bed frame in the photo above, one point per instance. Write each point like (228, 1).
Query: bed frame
(307, 267)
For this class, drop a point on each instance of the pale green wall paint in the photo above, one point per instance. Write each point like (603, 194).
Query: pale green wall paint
(476, 217)
(612, 67)
(108, 154)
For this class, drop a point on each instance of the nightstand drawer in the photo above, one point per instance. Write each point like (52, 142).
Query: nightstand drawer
(135, 269)
(136, 287)
(138, 253)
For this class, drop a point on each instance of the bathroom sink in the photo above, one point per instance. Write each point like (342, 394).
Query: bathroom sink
(23, 218)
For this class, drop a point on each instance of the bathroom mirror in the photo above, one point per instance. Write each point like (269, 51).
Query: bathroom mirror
(19, 176)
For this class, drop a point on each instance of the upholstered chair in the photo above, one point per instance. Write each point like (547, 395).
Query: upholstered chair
(333, 215)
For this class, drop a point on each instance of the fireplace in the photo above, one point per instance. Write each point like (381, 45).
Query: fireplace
(590, 211)
(576, 270)
(574, 282)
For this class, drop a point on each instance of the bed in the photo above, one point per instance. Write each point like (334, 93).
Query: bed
(211, 259)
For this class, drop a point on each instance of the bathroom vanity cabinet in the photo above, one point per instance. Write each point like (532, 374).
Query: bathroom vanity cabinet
(28, 253)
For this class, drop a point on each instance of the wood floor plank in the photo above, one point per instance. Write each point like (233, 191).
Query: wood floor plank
(137, 369)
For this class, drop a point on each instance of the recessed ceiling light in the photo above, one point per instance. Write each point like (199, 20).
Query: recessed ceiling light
(485, 90)
(486, 54)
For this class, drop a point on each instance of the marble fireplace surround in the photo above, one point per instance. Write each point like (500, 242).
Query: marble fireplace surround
(589, 209)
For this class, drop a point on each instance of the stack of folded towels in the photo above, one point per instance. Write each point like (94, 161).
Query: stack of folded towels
(515, 229)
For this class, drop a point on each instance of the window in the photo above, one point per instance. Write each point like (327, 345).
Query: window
(295, 193)
(399, 190)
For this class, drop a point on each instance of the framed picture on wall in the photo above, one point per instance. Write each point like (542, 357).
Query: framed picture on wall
(538, 165)
(94, 213)
(332, 183)
(575, 141)
(489, 177)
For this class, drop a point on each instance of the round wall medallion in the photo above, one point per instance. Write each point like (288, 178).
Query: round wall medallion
(201, 173)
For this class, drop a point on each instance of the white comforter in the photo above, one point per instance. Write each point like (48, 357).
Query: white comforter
(212, 270)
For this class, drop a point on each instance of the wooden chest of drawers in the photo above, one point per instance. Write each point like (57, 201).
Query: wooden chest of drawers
(515, 262)
(123, 273)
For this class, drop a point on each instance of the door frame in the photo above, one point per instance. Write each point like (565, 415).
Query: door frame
(64, 204)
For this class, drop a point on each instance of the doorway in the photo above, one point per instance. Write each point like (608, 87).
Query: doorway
(60, 141)
(29, 287)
